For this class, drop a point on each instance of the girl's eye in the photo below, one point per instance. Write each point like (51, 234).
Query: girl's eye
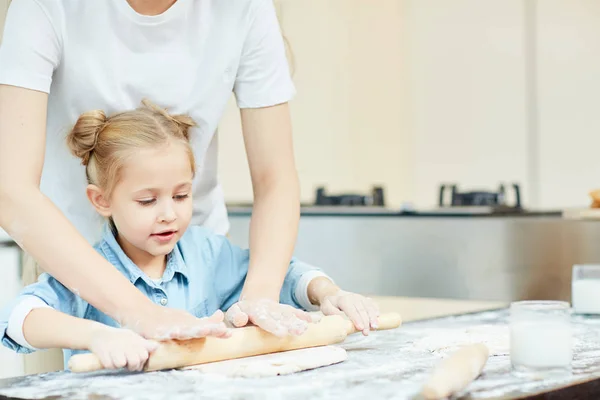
(146, 202)
(181, 197)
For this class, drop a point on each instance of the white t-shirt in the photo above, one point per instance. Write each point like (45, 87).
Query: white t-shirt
(104, 55)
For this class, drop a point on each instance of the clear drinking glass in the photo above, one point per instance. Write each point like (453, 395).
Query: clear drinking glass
(541, 338)
(585, 289)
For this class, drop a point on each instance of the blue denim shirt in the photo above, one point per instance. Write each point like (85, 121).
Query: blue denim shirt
(204, 273)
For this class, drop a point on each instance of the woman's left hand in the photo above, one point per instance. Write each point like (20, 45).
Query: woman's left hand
(362, 311)
(278, 319)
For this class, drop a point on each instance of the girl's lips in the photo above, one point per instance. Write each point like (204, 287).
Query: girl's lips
(164, 237)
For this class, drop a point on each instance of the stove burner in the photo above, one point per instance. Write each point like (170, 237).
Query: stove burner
(376, 198)
(480, 198)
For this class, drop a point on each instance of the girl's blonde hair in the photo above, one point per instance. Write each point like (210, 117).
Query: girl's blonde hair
(104, 143)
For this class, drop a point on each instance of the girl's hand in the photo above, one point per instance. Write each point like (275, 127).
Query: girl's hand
(120, 348)
(362, 311)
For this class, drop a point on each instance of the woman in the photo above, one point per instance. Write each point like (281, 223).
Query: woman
(58, 59)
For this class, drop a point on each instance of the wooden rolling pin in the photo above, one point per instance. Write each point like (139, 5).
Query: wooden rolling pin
(244, 342)
(456, 372)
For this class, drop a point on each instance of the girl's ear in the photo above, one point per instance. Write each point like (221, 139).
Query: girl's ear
(100, 203)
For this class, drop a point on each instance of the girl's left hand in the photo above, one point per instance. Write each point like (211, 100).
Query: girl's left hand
(362, 311)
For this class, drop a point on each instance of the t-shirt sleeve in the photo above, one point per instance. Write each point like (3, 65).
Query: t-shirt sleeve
(30, 48)
(263, 78)
(49, 291)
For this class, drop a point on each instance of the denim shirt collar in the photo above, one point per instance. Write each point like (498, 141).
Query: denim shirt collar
(117, 257)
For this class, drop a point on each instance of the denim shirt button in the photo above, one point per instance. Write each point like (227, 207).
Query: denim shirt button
(163, 301)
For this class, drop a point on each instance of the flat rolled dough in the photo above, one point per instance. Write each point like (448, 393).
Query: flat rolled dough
(283, 363)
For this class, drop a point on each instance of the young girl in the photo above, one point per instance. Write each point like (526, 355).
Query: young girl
(140, 168)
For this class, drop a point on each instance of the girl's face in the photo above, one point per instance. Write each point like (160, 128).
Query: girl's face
(151, 205)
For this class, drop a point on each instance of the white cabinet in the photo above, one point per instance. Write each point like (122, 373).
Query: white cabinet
(403, 93)
(568, 60)
(467, 92)
(11, 363)
(350, 113)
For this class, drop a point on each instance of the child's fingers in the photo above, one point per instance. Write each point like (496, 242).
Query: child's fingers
(118, 359)
(354, 316)
(150, 345)
(329, 309)
(105, 360)
(373, 310)
(143, 356)
(134, 359)
(364, 316)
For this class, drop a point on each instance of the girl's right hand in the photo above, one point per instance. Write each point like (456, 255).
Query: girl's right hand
(160, 323)
(120, 348)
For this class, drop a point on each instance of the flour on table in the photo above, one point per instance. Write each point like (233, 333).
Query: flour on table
(282, 363)
(443, 341)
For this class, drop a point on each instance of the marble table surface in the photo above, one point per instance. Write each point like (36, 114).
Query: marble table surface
(385, 365)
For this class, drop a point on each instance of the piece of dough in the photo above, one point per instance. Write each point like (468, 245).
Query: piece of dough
(287, 362)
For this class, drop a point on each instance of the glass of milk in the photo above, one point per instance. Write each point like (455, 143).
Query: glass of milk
(541, 338)
(585, 289)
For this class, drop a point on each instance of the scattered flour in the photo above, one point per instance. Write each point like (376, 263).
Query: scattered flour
(386, 364)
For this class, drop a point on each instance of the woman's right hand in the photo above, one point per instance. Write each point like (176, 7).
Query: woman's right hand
(160, 323)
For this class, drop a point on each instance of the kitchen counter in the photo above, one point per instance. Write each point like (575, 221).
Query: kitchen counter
(417, 309)
(375, 211)
(386, 364)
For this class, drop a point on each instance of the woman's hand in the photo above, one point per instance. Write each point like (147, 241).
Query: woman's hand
(120, 348)
(162, 323)
(278, 319)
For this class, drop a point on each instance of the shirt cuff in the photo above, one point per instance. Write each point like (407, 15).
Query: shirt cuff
(302, 289)
(17, 319)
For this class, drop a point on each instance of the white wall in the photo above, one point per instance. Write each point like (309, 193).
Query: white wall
(412, 93)
(351, 113)
(468, 94)
(569, 100)
(406, 93)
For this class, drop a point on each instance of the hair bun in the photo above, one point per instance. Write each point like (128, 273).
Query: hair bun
(83, 137)
(184, 122)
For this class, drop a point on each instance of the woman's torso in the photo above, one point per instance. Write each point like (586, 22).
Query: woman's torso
(111, 58)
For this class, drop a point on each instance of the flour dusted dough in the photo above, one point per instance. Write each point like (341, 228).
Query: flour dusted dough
(287, 362)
